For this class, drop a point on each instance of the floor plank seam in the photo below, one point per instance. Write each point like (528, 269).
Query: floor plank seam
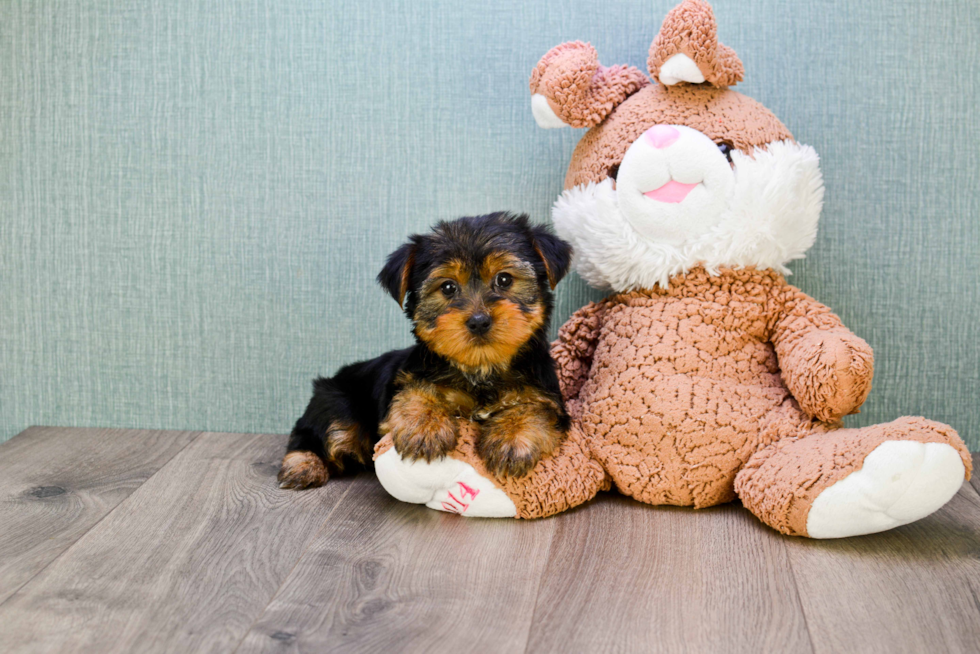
(99, 521)
(285, 578)
(537, 593)
(799, 598)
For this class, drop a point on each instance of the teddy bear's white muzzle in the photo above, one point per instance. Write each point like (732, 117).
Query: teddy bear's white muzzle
(674, 184)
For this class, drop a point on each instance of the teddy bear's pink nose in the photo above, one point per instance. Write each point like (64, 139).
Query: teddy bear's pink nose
(660, 136)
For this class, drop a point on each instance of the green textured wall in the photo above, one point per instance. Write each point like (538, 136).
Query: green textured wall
(195, 196)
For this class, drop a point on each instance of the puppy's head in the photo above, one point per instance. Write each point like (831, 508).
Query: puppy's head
(478, 288)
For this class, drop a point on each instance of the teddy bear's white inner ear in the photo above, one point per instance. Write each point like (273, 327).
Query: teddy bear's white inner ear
(680, 68)
(544, 115)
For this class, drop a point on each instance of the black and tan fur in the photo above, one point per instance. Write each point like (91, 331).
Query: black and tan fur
(479, 293)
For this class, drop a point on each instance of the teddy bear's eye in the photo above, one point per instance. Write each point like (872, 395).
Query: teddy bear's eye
(613, 172)
(726, 149)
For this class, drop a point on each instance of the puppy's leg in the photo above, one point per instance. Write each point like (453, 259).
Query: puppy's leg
(522, 427)
(423, 419)
(326, 439)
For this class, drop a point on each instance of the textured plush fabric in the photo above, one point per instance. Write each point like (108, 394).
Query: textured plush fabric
(691, 29)
(677, 388)
(683, 385)
(578, 89)
(195, 196)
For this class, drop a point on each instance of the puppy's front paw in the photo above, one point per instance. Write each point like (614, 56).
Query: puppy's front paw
(509, 458)
(432, 441)
(419, 427)
(514, 441)
(302, 470)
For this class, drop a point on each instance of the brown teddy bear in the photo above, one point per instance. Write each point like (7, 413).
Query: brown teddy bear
(704, 376)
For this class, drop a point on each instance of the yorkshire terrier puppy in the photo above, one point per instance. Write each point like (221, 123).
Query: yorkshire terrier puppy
(479, 293)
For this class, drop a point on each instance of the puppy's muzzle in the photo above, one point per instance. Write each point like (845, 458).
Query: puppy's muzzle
(479, 324)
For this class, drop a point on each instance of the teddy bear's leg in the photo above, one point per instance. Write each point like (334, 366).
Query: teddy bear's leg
(848, 482)
(460, 483)
(445, 484)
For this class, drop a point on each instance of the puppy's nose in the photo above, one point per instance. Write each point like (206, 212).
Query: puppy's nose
(478, 324)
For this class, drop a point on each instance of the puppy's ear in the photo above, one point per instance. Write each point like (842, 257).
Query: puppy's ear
(554, 252)
(397, 273)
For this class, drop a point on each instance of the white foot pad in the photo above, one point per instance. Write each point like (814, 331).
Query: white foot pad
(445, 485)
(900, 482)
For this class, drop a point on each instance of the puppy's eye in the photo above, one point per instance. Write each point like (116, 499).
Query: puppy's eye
(449, 288)
(726, 149)
(503, 280)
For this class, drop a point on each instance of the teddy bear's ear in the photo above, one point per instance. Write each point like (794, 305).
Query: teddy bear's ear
(569, 87)
(687, 49)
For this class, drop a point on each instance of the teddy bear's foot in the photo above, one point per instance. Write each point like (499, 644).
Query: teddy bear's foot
(443, 484)
(849, 482)
(900, 482)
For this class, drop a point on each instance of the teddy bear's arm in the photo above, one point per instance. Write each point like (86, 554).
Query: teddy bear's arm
(826, 367)
(576, 344)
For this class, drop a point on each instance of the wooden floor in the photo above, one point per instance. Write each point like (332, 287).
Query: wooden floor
(125, 540)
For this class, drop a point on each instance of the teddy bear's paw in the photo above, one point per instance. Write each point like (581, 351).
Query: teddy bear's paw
(899, 482)
(444, 484)
(832, 374)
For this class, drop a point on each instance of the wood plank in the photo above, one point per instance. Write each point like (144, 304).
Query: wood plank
(624, 576)
(391, 577)
(186, 563)
(912, 589)
(56, 482)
